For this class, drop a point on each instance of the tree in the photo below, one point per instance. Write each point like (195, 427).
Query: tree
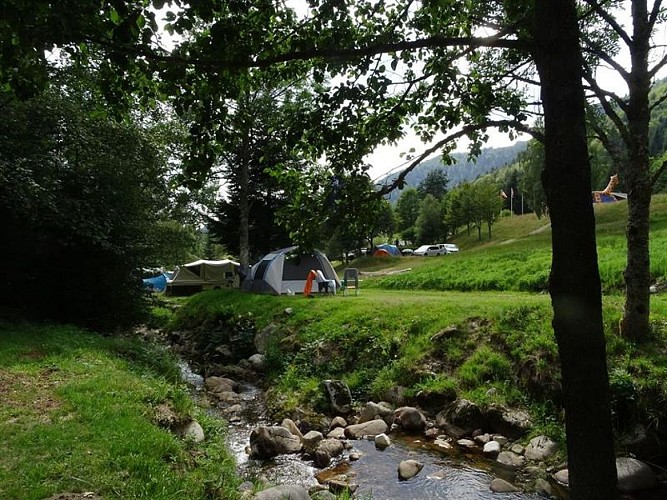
(631, 117)
(574, 282)
(430, 225)
(434, 184)
(531, 162)
(82, 209)
(407, 211)
(489, 204)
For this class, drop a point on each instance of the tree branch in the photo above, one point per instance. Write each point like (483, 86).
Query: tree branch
(599, 10)
(436, 41)
(658, 102)
(659, 65)
(609, 111)
(453, 136)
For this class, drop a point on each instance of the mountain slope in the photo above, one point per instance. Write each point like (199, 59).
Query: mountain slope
(462, 170)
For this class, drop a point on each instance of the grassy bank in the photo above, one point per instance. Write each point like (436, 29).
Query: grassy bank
(78, 413)
(430, 347)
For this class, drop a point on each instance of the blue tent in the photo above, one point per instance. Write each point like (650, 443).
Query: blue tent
(391, 249)
(157, 283)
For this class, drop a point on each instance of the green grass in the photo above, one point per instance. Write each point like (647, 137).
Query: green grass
(77, 415)
(518, 257)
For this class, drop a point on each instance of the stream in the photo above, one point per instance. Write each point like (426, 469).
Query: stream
(447, 475)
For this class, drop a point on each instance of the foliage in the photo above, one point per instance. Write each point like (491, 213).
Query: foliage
(83, 197)
(434, 184)
(430, 223)
(87, 405)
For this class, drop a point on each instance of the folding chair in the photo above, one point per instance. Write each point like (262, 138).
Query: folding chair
(351, 280)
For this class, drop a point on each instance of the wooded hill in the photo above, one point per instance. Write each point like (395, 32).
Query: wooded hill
(462, 170)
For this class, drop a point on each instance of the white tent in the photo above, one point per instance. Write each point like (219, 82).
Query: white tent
(286, 270)
(204, 275)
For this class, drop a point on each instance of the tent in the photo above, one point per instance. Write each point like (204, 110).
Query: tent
(381, 252)
(286, 271)
(203, 275)
(157, 283)
(390, 249)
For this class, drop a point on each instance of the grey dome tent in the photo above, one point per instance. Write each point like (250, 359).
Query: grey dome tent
(286, 270)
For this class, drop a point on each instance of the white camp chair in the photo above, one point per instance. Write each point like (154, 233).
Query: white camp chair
(329, 286)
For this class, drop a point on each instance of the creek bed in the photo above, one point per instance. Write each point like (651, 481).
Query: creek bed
(446, 475)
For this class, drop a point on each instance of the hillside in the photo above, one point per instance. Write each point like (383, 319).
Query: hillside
(518, 256)
(462, 170)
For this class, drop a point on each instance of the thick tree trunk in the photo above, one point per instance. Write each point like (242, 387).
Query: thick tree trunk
(635, 322)
(575, 281)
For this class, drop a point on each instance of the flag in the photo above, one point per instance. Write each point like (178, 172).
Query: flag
(502, 193)
(512, 192)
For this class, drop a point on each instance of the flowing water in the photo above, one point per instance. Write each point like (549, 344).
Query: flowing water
(446, 475)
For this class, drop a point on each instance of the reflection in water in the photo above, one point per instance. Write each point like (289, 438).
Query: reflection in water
(444, 476)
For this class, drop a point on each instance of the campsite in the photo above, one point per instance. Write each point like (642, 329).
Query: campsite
(254, 232)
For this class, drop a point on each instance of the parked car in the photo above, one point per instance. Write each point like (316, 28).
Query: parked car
(407, 251)
(429, 250)
(449, 247)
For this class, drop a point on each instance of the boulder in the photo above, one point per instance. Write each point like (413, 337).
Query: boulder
(257, 362)
(284, 492)
(311, 440)
(562, 477)
(267, 442)
(466, 443)
(291, 426)
(337, 433)
(460, 418)
(482, 439)
(372, 428)
(326, 450)
(410, 419)
(501, 486)
(192, 431)
(338, 395)
(337, 422)
(509, 422)
(218, 385)
(510, 459)
(382, 441)
(374, 410)
(408, 469)
(342, 486)
(540, 448)
(543, 488)
(634, 475)
(491, 449)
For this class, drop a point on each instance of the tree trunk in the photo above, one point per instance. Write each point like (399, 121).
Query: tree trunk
(575, 281)
(244, 206)
(635, 322)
